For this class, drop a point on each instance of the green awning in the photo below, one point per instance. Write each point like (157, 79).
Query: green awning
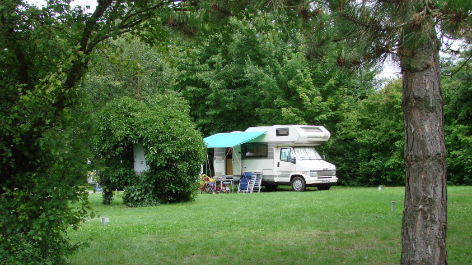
(220, 140)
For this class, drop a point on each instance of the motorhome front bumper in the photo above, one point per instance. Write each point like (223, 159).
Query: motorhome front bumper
(310, 181)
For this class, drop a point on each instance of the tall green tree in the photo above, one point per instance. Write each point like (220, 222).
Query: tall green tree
(457, 90)
(369, 142)
(128, 67)
(44, 54)
(250, 73)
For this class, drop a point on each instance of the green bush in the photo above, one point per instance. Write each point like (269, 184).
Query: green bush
(174, 150)
(118, 175)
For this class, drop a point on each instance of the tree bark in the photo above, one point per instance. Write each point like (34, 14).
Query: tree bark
(424, 217)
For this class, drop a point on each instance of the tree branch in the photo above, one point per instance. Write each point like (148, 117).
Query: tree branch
(463, 64)
(75, 73)
(20, 56)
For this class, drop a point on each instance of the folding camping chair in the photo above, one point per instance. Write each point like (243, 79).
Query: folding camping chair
(244, 183)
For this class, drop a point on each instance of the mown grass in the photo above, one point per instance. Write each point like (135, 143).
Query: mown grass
(339, 226)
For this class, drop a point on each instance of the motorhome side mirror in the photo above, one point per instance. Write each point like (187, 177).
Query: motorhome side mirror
(291, 159)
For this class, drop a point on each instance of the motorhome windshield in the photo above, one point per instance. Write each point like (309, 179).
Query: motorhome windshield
(307, 153)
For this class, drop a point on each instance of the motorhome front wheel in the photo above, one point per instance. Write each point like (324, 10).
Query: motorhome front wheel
(298, 184)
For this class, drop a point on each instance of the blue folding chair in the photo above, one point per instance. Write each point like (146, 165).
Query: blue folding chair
(244, 182)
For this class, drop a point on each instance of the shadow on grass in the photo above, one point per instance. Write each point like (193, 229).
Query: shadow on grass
(289, 189)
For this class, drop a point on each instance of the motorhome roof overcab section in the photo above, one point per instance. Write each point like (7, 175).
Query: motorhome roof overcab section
(283, 154)
(292, 134)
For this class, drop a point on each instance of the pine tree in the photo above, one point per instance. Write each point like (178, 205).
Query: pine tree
(411, 32)
(408, 30)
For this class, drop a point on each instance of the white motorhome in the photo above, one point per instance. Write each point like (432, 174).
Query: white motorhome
(283, 154)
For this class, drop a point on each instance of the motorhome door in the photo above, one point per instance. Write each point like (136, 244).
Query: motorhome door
(284, 166)
(237, 160)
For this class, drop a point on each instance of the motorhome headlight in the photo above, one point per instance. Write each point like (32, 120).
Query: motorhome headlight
(313, 173)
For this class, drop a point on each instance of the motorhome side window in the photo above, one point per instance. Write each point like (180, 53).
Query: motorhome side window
(311, 129)
(284, 153)
(281, 132)
(255, 150)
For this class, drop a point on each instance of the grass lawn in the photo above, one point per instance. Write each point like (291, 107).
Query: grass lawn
(339, 226)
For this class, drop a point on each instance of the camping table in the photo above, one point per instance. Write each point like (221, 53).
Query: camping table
(223, 180)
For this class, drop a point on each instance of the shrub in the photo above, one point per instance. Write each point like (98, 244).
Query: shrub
(174, 150)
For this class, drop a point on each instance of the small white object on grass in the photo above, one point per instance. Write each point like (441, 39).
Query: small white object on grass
(104, 220)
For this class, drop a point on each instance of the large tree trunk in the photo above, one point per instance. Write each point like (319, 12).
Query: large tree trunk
(424, 216)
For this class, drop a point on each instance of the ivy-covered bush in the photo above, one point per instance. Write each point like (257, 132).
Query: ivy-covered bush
(118, 173)
(174, 150)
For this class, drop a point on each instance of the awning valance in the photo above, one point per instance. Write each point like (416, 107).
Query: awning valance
(220, 140)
